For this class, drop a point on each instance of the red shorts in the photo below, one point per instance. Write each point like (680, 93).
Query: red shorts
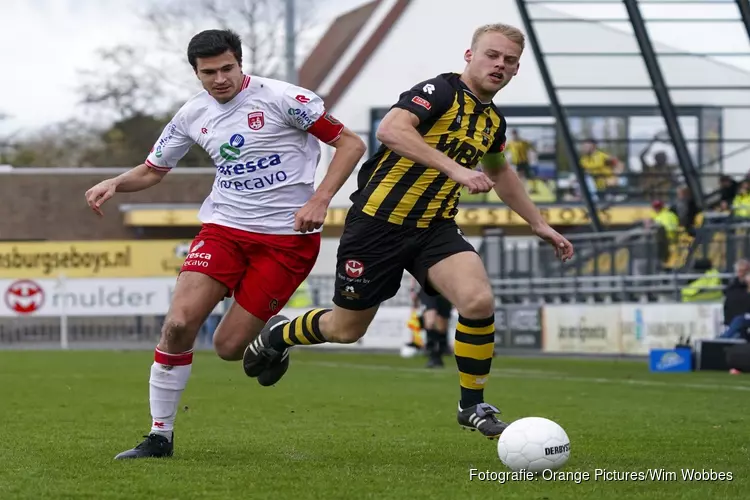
(262, 271)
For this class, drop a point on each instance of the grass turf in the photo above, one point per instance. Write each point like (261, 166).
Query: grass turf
(359, 426)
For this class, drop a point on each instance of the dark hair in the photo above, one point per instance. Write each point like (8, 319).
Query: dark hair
(211, 43)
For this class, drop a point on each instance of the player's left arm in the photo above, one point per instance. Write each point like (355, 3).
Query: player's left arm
(306, 111)
(349, 149)
(511, 190)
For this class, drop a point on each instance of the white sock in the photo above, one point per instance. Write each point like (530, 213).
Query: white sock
(169, 376)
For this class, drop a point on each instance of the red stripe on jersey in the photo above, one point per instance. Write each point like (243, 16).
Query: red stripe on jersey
(164, 358)
(157, 167)
(245, 82)
(326, 128)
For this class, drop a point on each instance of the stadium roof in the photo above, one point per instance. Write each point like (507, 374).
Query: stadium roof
(352, 38)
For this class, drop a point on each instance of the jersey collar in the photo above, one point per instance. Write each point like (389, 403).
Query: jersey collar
(468, 91)
(236, 99)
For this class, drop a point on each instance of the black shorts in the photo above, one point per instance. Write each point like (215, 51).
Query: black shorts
(374, 254)
(437, 303)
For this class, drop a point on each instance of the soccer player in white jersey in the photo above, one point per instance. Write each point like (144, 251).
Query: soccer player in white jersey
(261, 223)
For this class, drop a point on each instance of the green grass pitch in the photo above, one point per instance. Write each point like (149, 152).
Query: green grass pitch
(355, 426)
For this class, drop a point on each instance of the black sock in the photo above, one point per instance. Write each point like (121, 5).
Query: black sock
(433, 341)
(443, 344)
(474, 344)
(302, 330)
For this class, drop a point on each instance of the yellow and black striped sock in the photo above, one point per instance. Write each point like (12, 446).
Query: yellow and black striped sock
(302, 330)
(473, 347)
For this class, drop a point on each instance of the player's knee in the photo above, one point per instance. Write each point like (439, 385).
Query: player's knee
(478, 305)
(346, 333)
(229, 348)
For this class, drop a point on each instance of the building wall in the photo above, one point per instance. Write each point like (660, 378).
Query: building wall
(52, 206)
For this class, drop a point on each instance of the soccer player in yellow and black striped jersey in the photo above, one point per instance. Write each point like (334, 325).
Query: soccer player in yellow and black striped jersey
(402, 218)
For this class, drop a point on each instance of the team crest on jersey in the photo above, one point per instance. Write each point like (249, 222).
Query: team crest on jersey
(256, 120)
(354, 268)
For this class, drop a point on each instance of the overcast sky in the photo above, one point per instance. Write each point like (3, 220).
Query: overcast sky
(45, 44)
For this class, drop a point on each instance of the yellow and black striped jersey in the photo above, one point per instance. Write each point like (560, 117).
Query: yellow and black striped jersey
(452, 120)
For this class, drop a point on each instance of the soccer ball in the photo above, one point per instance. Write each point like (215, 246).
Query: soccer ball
(533, 444)
(409, 351)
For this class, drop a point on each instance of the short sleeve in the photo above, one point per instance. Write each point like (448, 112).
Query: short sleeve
(306, 111)
(498, 145)
(428, 99)
(172, 145)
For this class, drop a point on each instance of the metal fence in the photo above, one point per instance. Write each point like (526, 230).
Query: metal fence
(516, 301)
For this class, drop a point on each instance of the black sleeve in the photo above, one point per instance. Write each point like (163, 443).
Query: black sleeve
(498, 146)
(428, 99)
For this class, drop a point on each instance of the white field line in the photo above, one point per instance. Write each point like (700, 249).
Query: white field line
(532, 374)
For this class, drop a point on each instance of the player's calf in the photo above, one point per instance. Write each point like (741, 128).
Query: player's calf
(267, 356)
(237, 329)
(474, 343)
(176, 335)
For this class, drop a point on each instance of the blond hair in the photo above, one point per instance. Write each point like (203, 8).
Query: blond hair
(512, 33)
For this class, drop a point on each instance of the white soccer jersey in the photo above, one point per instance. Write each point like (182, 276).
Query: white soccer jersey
(264, 144)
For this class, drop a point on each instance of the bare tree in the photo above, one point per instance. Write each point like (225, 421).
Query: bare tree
(153, 78)
(122, 85)
(260, 24)
(7, 142)
(64, 144)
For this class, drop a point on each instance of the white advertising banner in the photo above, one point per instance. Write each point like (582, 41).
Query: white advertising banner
(662, 326)
(626, 328)
(388, 329)
(86, 297)
(581, 328)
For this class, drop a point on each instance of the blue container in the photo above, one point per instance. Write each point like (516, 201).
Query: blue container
(671, 360)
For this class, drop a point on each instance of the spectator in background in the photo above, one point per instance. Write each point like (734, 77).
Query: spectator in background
(736, 296)
(728, 188)
(738, 327)
(741, 202)
(686, 209)
(666, 218)
(657, 177)
(602, 167)
(521, 152)
(707, 288)
(668, 229)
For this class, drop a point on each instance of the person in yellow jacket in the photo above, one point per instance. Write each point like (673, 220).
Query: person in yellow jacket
(602, 167)
(707, 288)
(302, 298)
(741, 202)
(667, 241)
(666, 218)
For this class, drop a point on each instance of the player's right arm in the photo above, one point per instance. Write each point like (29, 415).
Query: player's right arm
(398, 131)
(172, 145)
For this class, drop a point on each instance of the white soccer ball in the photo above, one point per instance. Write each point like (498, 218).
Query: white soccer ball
(533, 444)
(408, 351)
